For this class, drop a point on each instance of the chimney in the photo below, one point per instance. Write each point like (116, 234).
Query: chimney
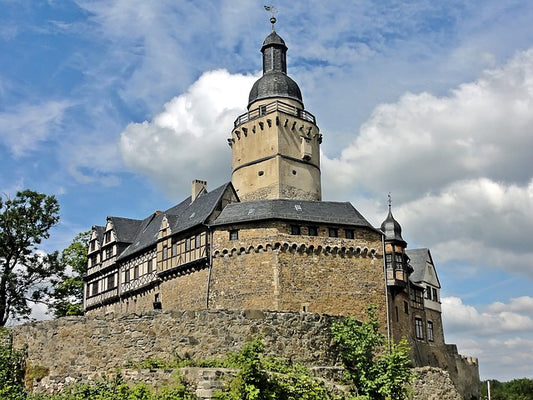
(198, 187)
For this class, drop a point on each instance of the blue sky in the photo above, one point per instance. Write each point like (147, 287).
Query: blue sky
(115, 106)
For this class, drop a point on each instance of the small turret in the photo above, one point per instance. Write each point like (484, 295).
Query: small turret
(396, 261)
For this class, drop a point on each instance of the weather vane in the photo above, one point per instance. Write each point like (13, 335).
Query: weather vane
(272, 10)
(390, 201)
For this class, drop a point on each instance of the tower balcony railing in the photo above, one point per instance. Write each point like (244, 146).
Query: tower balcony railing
(269, 108)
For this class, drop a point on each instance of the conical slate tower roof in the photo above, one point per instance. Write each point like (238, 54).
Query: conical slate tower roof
(275, 82)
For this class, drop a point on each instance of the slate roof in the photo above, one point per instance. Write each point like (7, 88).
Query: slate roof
(325, 212)
(125, 228)
(392, 229)
(145, 236)
(181, 217)
(274, 84)
(418, 259)
(99, 233)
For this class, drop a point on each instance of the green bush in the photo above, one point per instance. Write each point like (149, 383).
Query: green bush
(376, 369)
(11, 369)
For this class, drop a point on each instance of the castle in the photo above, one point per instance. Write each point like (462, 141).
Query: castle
(267, 241)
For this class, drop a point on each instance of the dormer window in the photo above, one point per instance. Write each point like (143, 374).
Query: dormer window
(107, 237)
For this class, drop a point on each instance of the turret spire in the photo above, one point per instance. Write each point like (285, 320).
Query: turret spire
(272, 10)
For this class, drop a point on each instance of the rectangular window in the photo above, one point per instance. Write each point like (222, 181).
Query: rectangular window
(435, 297)
(388, 260)
(95, 288)
(111, 281)
(150, 266)
(127, 276)
(431, 338)
(164, 254)
(136, 272)
(419, 331)
(198, 241)
(406, 307)
(295, 229)
(233, 234)
(174, 248)
(349, 233)
(109, 253)
(94, 260)
(417, 297)
(107, 237)
(399, 260)
(93, 245)
(428, 292)
(333, 232)
(187, 244)
(313, 231)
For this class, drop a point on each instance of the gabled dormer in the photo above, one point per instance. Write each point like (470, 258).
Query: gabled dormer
(425, 275)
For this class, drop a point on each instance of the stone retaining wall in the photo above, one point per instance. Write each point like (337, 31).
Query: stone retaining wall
(78, 349)
(90, 347)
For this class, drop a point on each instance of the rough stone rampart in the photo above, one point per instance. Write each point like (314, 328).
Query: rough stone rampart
(73, 349)
(92, 347)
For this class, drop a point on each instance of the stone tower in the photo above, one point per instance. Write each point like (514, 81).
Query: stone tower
(276, 144)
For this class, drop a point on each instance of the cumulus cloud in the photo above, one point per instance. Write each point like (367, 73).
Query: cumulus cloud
(24, 127)
(187, 139)
(424, 142)
(497, 334)
(475, 218)
(497, 318)
(459, 167)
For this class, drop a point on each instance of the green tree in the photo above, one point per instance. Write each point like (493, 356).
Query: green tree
(378, 370)
(24, 272)
(66, 296)
(517, 389)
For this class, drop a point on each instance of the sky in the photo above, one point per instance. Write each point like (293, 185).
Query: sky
(115, 107)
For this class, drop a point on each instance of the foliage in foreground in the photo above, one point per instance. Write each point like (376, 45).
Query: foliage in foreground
(117, 389)
(266, 378)
(377, 370)
(11, 369)
(66, 296)
(517, 389)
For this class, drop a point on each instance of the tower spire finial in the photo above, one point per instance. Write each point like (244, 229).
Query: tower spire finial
(273, 11)
(390, 201)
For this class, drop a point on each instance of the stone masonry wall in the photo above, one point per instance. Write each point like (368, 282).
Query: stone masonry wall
(75, 349)
(81, 347)
(268, 268)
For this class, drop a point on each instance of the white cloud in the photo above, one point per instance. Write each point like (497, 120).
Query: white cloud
(499, 334)
(495, 319)
(478, 220)
(24, 127)
(187, 140)
(423, 142)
